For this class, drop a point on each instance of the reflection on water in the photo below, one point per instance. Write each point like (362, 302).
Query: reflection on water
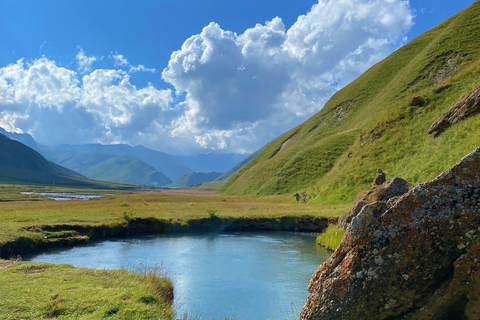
(68, 195)
(242, 275)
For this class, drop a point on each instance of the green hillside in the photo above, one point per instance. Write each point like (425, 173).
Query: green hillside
(126, 169)
(108, 167)
(379, 121)
(20, 164)
(193, 178)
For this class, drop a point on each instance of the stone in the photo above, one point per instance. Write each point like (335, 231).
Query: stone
(468, 106)
(428, 242)
(380, 178)
(388, 190)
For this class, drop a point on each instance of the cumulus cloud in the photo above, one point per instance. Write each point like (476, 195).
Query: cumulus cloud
(52, 104)
(234, 92)
(85, 62)
(268, 76)
(121, 61)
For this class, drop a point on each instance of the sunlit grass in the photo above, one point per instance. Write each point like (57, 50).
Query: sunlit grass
(331, 238)
(175, 206)
(44, 291)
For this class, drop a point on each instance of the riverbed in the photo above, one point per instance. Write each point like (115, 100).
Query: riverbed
(254, 276)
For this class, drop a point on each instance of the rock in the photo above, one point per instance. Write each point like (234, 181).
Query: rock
(442, 88)
(468, 106)
(380, 178)
(416, 257)
(417, 101)
(347, 217)
(390, 189)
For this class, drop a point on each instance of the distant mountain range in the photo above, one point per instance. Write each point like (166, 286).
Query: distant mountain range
(127, 164)
(20, 164)
(194, 178)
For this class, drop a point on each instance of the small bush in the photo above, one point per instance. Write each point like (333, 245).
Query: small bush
(123, 204)
(128, 216)
(212, 213)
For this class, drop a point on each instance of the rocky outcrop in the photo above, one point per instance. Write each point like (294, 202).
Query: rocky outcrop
(468, 106)
(383, 192)
(414, 257)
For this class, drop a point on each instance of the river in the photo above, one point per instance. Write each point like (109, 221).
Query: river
(254, 276)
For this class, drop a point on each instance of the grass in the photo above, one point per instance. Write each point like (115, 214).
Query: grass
(331, 238)
(44, 291)
(371, 123)
(17, 218)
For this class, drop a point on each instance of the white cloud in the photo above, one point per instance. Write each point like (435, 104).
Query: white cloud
(269, 77)
(234, 92)
(84, 62)
(121, 61)
(49, 102)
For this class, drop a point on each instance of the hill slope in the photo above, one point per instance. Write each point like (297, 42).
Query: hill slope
(193, 178)
(126, 169)
(163, 162)
(109, 167)
(20, 164)
(379, 121)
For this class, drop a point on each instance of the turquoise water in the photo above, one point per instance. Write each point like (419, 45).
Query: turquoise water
(241, 275)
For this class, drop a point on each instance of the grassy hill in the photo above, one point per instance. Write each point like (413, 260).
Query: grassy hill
(126, 169)
(171, 166)
(379, 121)
(109, 167)
(193, 178)
(20, 164)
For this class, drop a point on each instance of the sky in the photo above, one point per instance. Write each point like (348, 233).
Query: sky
(186, 76)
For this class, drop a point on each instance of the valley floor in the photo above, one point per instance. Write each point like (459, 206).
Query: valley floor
(29, 226)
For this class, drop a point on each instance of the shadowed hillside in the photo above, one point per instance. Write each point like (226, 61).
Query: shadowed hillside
(381, 120)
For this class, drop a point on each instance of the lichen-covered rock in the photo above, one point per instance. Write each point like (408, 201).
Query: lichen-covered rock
(401, 257)
(392, 188)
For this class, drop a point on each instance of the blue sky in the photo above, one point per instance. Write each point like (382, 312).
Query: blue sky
(189, 77)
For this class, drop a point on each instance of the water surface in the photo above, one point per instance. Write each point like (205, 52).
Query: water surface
(254, 276)
(59, 196)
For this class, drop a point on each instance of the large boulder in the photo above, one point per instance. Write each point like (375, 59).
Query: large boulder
(414, 257)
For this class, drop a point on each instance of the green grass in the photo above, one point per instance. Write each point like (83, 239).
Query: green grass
(77, 293)
(331, 238)
(18, 218)
(334, 157)
(44, 291)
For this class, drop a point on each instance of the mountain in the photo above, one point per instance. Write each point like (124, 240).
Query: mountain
(109, 167)
(131, 170)
(214, 162)
(194, 178)
(24, 138)
(126, 169)
(21, 164)
(171, 166)
(381, 120)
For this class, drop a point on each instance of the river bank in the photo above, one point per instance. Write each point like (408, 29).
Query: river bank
(32, 226)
